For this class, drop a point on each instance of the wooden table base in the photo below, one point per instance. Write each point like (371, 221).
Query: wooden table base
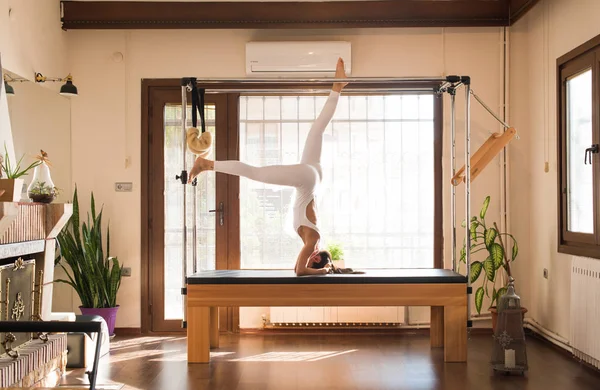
(448, 308)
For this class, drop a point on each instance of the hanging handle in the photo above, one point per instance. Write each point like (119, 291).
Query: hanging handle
(588, 152)
(221, 211)
(198, 106)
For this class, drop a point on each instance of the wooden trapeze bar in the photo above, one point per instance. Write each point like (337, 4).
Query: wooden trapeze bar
(482, 157)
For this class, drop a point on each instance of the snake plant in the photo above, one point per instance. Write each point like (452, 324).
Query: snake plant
(492, 243)
(94, 276)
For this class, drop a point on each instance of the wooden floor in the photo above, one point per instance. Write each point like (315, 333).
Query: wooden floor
(329, 362)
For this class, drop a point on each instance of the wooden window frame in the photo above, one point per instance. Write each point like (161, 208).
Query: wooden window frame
(579, 59)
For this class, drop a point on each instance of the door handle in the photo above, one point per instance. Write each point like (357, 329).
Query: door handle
(589, 151)
(221, 211)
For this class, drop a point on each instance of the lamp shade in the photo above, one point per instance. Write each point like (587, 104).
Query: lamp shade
(9, 89)
(68, 89)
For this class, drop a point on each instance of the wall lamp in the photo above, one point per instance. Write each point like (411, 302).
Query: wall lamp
(68, 89)
(10, 91)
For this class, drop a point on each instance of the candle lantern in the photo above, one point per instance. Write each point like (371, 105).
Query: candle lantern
(509, 353)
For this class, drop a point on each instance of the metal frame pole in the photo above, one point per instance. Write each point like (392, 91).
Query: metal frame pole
(184, 182)
(353, 80)
(452, 187)
(468, 190)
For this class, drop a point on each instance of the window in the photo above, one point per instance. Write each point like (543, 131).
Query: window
(579, 136)
(379, 188)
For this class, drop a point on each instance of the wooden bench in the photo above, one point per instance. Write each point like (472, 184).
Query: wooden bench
(444, 290)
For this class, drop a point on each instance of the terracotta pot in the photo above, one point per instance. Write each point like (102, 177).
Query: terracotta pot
(494, 312)
(339, 263)
(12, 190)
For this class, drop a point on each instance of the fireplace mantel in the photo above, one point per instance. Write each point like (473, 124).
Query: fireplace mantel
(22, 222)
(30, 230)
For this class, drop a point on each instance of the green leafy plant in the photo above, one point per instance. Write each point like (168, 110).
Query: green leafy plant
(16, 171)
(40, 192)
(96, 277)
(491, 242)
(337, 253)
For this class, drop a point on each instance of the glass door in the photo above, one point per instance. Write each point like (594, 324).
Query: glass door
(204, 223)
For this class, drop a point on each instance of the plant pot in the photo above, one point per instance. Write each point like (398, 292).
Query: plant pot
(12, 190)
(494, 312)
(108, 313)
(339, 263)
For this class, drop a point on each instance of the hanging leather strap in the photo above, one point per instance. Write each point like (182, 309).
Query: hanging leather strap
(198, 105)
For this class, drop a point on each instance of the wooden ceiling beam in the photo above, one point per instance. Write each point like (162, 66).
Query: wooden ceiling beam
(265, 15)
(518, 8)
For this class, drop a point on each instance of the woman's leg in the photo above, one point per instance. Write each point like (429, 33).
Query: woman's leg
(314, 140)
(295, 175)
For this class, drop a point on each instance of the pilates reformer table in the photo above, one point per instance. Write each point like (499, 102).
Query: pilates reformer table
(442, 289)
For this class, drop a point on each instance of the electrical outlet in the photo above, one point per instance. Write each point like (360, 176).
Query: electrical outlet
(126, 271)
(123, 187)
(546, 273)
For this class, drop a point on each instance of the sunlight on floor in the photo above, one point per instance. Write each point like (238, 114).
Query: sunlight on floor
(101, 384)
(292, 356)
(140, 341)
(145, 354)
(182, 357)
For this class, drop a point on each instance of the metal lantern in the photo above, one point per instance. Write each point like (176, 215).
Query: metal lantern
(509, 353)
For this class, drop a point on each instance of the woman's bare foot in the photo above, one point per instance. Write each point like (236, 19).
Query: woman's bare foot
(200, 165)
(340, 73)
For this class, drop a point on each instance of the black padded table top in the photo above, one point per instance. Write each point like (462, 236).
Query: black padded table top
(371, 276)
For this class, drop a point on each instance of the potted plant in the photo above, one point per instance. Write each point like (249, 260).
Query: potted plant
(493, 245)
(337, 254)
(94, 276)
(10, 177)
(42, 193)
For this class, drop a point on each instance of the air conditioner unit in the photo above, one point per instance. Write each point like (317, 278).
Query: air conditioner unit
(294, 59)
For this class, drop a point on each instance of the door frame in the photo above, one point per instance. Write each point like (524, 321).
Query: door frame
(226, 192)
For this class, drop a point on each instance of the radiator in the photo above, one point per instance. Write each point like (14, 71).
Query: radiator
(336, 316)
(585, 309)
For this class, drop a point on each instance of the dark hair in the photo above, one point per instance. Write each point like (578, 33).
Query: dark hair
(325, 259)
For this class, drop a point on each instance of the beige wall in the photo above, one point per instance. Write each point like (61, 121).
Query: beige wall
(106, 116)
(31, 41)
(41, 119)
(551, 29)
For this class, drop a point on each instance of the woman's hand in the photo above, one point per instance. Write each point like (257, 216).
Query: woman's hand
(327, 268)
(340, 73)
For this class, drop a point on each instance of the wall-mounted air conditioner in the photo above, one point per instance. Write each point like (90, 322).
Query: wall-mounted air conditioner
(295, 59)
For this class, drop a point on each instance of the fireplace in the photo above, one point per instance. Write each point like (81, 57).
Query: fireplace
(27, 251)
(18, 300)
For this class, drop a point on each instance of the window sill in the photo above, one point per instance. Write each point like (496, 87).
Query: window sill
(580, 250)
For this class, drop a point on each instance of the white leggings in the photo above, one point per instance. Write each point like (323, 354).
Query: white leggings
(294, 175)
(304, 176)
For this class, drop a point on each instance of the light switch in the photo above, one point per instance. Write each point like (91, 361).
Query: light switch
(123, 187)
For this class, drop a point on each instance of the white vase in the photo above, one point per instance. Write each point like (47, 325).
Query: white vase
(339, 263)
(41, 189)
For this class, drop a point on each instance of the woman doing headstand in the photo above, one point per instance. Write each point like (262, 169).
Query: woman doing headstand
(305, 177)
